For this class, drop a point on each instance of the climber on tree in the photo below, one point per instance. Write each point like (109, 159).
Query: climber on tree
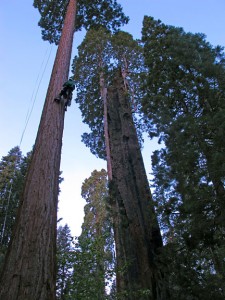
(66, 93)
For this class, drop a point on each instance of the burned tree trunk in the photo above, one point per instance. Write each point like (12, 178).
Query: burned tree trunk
(29, 269)
(137, 234)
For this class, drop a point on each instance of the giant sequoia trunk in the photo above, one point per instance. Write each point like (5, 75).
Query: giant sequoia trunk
(29, 268)
(137, 234)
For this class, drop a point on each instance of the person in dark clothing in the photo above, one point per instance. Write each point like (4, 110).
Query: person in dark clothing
(66, 93)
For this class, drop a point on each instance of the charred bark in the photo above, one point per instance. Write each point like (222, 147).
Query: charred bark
(29, 271)
(137, 234)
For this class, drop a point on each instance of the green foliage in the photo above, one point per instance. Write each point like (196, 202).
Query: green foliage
(85, 265)
(13, 168)
(185, 93)
(93, 58)
(90, 14)
(94, 249)
(185, 77)
(52, 17)
(65, 260)
(99, 55)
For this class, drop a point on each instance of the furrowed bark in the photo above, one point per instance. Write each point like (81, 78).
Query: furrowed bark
(29, 271)
(137, 235)
(103, 90)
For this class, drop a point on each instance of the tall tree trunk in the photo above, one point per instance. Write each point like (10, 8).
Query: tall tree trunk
(103, 90)
(29, 271)
(139, 240)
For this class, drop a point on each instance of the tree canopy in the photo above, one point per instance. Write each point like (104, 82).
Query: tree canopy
(90, 14)
(184, 108)
(177, 79)
(99, 55)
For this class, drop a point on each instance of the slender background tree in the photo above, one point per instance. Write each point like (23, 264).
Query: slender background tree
(65, 261)
(93, 269)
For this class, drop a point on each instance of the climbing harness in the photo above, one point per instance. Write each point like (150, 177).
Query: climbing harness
(66, 93)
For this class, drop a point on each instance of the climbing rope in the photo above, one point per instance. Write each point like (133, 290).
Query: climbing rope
(28, 116)
(35, 91)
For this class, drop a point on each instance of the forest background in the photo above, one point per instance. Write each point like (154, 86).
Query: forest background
(25, 67)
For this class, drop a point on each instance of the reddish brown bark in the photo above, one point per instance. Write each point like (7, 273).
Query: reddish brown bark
(137, 234)
(106, 134)
(29, 268)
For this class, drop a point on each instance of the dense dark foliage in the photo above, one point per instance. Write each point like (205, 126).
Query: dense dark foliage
(13, 168)
(90, 14)
(65, 261)
(184, 106)
(183, 103)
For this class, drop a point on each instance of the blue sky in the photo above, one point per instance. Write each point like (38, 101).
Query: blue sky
(25, 67)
